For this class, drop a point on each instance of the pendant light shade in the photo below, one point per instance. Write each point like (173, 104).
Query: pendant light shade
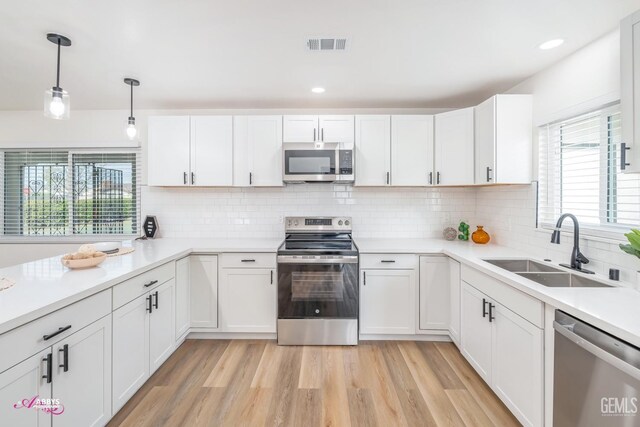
(131, 130)
(56, 99)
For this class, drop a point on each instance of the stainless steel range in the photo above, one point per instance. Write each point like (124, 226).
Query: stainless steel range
(318, 283)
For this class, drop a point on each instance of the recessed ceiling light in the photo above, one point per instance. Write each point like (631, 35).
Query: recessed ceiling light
(551, 44)
(317, 90)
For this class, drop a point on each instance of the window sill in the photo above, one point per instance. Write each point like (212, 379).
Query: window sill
(609, 237)
(60, 240)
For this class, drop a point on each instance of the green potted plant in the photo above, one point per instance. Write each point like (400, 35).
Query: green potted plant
(633, 247)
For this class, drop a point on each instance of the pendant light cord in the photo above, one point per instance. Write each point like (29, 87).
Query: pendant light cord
(131, 84)
(58, 68)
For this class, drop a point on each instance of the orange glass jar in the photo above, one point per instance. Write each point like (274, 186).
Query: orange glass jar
(480, 236)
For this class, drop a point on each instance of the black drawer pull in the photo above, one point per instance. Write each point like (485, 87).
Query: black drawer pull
(491, 316)
(388, 260)
(364, 278)
(272, 277)
(155, 305)
(149, 304)
(56, 333)
(65, 357)
(151, 283)
(248, 260)
(484, 308)
(49, 371)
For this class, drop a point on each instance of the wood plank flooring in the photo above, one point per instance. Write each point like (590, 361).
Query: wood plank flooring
(258, 383)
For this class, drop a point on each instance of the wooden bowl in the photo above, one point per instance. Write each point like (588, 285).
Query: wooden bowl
(84, 263)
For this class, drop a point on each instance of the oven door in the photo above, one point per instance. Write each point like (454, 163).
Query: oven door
(310, 162)
(318, 287)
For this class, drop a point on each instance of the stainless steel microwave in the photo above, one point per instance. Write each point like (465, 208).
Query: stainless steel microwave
(317, 162)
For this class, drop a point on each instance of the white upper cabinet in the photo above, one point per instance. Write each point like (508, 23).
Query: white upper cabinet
(168, 151)
(412, 150)
(211, 151)
(257, 151)
(454, 146)
(630, 91)
(190, 151)
(503, 135)
(373, 150)
(318, 129)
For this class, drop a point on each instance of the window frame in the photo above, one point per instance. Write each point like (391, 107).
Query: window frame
(69, 236)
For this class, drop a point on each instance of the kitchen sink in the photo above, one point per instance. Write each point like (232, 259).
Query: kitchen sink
(522, 265)
(545, 274)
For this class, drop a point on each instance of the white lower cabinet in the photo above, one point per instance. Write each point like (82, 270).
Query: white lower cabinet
(454, 301)
(507, 351)
(75, 372)
(248, 300)
(387, 301)
(183, 297)
(143, 338)
(203, 273)
(434, 293)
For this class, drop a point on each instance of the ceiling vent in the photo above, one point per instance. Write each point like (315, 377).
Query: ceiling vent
(325, 44)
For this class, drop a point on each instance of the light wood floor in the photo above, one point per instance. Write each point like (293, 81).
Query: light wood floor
(256, 383)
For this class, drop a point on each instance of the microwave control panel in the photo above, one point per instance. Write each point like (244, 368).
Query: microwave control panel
(346, 162)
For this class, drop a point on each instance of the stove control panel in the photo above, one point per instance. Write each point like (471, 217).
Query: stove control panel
(317, 224)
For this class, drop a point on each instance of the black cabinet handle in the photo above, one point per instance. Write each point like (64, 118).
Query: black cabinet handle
(184, 178)
(438, 178)
(388, 260)
(484, 308)
(149, 304)
(364, 277)
(49, 371)
(151, 283)
(193, 178)
(430, 178)
(491, 316)
(56, 333)
(155, 305)
(250, 178)
(488, 174)
(387, 178)
(65, 357)
(248, 260)
(623, 156)
(314, 134)
(272, 277)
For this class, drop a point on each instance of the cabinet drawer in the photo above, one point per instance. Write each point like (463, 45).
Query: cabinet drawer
(248, 260)
(28, 339)
(388, 261)
(136, 286)
(520, 303)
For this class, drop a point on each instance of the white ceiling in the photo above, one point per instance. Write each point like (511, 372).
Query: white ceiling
(244, 53)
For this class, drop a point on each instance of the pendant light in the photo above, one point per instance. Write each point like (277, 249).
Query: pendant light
(56, 100)
(132, 132)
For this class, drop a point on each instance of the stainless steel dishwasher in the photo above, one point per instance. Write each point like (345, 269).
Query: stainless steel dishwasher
(596, 377)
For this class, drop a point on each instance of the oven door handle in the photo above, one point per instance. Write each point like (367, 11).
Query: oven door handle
(597, 351)
(292, 259)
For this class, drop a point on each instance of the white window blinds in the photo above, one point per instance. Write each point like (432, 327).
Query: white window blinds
(66, 193)
(579, 174)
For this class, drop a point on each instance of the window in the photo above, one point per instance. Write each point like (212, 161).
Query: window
(579, 174)
(63, 193)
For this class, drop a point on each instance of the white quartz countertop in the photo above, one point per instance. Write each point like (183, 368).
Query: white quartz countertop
(45, 285)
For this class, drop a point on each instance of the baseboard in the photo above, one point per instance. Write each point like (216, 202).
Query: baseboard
(198, 335)
(430, 337)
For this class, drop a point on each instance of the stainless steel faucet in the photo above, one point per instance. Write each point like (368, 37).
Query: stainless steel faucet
(577, 259)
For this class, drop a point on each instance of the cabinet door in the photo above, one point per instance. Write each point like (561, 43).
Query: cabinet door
(211, 151)
(168, 151)
(265, 148)
(411, 150)
(518, 359)
(630, 88)
(85, 387)
(204, 291)
(387, 302)
(300, 129)
(485, 137)
(183, 297)
(130, 350)
(162, 324)
(337, 129)
(475, 331)
(241, 158)
(248, 300)
(373, 150)
(514, 136)
(454, 147)
(434, 292)
(21, 384)
(454, 301)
